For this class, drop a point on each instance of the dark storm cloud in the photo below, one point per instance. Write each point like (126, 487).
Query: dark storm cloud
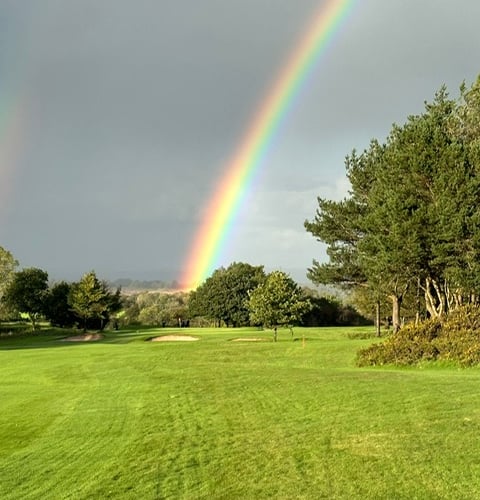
(136, 107)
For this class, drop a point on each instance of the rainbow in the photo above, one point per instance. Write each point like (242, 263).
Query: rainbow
(223, 207)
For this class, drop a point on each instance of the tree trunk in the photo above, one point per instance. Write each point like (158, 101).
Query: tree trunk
(396, 305)
(442, 299)
(34, 323)
(429, 304)
(275, 334)
(433, 298)
(417, 303)
(377, 318)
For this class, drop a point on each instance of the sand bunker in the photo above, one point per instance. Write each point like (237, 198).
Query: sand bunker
(88, 337)
(249, 339)
(174, 338)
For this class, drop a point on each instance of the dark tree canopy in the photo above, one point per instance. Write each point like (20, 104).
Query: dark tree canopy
(57, 309)
(27, 292)
(223, 296)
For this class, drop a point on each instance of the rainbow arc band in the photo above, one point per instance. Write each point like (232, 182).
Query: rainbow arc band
(221, 211)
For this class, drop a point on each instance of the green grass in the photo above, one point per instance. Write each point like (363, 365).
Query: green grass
(125, 418)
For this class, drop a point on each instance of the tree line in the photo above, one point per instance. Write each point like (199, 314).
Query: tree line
(242, 294)
(408, 233)
(239, 295)
(88, 303)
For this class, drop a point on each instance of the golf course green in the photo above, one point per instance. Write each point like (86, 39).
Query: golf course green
(229, 417)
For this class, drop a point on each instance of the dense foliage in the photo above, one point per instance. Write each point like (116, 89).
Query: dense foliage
(92, 301)
(327, 310)
(222, 300)
(57, 309)
(89, 303)
(157, 309)
(8, 264)
(223, 296)
(27, 293)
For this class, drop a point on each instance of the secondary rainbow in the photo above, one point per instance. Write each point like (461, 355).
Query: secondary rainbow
(221, 211)
(12, 131)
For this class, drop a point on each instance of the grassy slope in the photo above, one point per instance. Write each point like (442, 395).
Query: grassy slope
(216, 419)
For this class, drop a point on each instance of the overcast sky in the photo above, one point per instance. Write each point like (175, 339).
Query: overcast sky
(118, 117)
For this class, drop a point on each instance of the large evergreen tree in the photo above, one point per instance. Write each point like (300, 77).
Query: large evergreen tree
(411, 221)
(92, 301)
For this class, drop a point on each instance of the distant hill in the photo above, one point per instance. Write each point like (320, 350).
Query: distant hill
(130, 285)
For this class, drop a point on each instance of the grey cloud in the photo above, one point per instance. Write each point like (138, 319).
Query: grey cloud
(135, 108)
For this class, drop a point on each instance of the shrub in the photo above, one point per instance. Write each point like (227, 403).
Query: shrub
(455, 338)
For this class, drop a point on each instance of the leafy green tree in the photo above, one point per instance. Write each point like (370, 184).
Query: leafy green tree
(223, 296)
(277, 302)
(57, 308)
(92, 301)
(27, 293)
(8, 264)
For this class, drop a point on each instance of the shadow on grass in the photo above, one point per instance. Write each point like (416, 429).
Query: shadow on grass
(55, 338)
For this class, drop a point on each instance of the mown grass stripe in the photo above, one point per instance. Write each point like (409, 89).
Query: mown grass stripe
(127, 418)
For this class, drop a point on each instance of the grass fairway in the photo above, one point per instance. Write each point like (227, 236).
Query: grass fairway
(125, 418)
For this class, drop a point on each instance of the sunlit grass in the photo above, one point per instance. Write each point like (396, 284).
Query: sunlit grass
(125, 418)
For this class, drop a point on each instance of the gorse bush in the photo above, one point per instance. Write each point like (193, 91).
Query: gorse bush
(456, 337)
(465, 317)
(410, 345)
